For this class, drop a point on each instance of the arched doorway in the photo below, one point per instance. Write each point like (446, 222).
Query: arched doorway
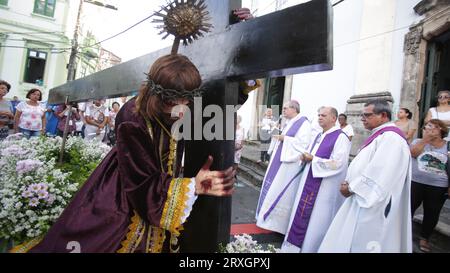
(427, 59)
(437, 73)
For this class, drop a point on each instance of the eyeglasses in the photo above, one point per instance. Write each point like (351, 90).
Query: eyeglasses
(443, 97)
(366, 115)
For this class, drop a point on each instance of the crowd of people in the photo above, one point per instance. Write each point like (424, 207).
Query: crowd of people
(320, 203)
(32, 117)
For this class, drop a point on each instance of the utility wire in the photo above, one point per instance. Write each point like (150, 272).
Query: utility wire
(41, 41)
(33, 48)
(33, 32)
(335, 4)
(120, 33)
(115, 35)
(372, 36)
(87, 46)
(268, 6)
(338, 2)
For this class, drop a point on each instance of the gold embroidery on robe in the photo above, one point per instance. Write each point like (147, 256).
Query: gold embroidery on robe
(25, 247)
(177, 197)
(155, 240)
(134, 236)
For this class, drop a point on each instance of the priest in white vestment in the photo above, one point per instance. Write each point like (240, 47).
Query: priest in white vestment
(274, 208)
(376, 216)
(327, 159)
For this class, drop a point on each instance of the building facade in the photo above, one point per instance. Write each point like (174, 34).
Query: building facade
(33, 44)
(36, 39)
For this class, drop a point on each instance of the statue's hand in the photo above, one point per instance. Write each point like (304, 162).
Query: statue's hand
(243, 14)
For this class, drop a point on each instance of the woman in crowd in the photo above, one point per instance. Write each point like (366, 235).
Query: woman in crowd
(30, 115)
(6, 111)
(442, 110)
(405, 123)
(429, 177)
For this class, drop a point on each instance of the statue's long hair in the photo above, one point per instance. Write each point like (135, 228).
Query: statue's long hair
(171, 72)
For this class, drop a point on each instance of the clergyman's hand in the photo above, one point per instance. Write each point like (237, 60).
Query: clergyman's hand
(345, 190)
(279, 137)
(216, 183)
(307, 157)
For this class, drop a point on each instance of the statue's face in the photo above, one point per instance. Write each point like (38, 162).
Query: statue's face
(175, 108)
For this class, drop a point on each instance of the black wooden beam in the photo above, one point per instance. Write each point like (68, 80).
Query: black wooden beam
(291, 41)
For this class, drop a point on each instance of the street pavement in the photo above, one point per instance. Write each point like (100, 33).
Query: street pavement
(244, 203)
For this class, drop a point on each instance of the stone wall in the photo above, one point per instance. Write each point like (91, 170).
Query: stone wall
(355, 106)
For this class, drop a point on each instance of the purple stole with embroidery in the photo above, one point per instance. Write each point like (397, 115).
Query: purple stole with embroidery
(276, 162)
(305, 206)
(380, 132)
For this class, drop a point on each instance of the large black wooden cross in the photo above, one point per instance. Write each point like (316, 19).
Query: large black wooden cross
(291, 41)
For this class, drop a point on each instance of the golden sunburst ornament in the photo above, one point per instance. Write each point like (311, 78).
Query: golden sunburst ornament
(184, 19)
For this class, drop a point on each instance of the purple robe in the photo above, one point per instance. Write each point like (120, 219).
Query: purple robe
(371, 138)
(124, 199)
(310, 192)
(276, 164)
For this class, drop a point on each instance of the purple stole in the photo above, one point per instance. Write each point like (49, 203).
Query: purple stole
(276, 162)
(380, 132)
(305, 206)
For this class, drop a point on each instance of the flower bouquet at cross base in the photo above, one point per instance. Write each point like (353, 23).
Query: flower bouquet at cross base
(34, 189)
(245, 244)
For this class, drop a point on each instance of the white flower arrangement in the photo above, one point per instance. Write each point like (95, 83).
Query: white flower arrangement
(34, 190)
(245, 244)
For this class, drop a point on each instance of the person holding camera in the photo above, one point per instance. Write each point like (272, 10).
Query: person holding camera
(112, 123)
(62, 113)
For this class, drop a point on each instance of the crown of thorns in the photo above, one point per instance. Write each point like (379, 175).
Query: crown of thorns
(172, 94)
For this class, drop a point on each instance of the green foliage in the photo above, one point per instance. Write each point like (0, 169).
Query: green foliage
(79, 169)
